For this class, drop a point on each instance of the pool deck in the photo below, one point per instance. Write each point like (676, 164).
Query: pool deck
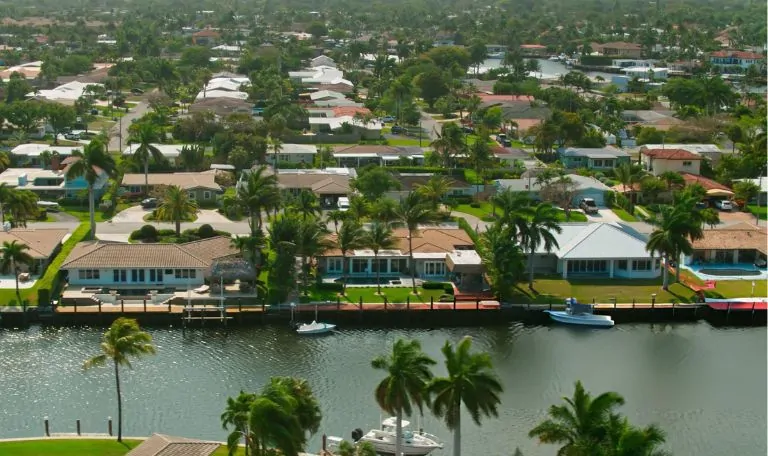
(696, 271)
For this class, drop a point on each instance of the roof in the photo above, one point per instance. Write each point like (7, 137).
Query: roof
(41, 243)
(34, 150)
(738, 55)
(532, 46)
(70, 91)
(220, 93)
(221, 106)
(413, 181)
(708, 184)
(597, 240)
(335, 123)
(341, 111)
(740, 236)
(375, 149)
(594, 152)
(671, 154)
(298, 149)
(165, 445)
(196, 255)
(618, 45)
(186, 181)
(206, 32)
(321, 94)
(426, 240)
(701, 149)
(168, 150)
(521, 185)
(25, 178)
(320, 183)
(505, 98)
(761, 182)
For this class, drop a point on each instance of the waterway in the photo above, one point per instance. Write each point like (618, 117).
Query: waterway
(549, 69)
(705, 386)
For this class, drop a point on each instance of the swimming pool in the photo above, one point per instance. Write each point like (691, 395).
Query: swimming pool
(729, 272)
(723, 271)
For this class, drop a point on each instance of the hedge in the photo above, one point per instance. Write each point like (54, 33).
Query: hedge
(597, 60)
(445, 286)
(464, 225)
(330, 286)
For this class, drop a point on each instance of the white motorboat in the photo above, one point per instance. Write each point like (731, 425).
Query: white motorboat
(313, 328)
(413, 443)
(496, 55)
(576, 313)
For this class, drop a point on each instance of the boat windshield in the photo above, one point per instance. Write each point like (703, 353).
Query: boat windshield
(578, 308)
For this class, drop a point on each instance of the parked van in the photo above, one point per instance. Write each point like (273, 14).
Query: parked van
(343, 203)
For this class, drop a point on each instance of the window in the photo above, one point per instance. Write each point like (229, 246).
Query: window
(88, 274)
(192, 195)
(641, 265)
(587, 266)
(434, 268)
(119, 275)
(207, 195)
(597, 163)
(686, 163)
(335, 265)
(621, 265)
(379, 265)
(183, 274)
(398, 265)
(359, 265)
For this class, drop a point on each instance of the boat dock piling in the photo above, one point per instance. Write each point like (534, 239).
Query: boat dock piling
(78, 430)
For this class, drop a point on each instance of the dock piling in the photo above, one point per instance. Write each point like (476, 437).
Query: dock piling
(477, 304)
(122, 305)
(407, 303)
(78, 427)
(109, 425)
(145, 306)
(47, 427)
(360, 302)
(431, 303)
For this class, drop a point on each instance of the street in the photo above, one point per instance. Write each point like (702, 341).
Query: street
(120, 129)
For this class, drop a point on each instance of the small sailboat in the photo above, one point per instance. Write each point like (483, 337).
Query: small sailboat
(313, 328)
(576, 313)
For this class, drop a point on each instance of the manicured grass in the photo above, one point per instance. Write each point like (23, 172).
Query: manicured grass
(82, 214)
(624, 215)
(601, 290)
(575, 217)
(729, 288)
(761, 212)
(98, 125)
(471, 139)
(368, 294)
(485, 213)
(73, 447)
(471, 176)
(409, 141)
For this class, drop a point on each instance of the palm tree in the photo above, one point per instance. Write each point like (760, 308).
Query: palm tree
(539, 231)
(351, 236)
(145, 134)
(22, 205)
(312, 241)
(359, 449)
(378, 238)
(236, 414)
(628, 176)
(123, 340)
(411, 213)
(259, 193)
(336, 216)
(307, 409)
(15, 255)
(435, 189)
(176, 206)
(501, 257)
(580, 424)
(408, 374)
(622, 439)
(669, 238)
(93, 162)
(385, 210)
(471, 381)
(306, 203)
(515, 208)
(5, 197)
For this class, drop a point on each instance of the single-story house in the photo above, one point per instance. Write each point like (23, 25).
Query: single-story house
(598, 158)
(43, 245)
(320, 75)
(762, 184)
(586, 187)
(201, 187)
(660, 120)
(359, 155)
(712, 187)
(709, 151)
(619, 48)
(28, 155)
(171, 152)
(222, 106)
(166, 445)
(331, 125)
(412, 181)
(66, 93)
(598, 249)
(225, 87)
(534, 50)
(295, 153)
(659, 161)
(325, 95)
(145, 266)
(741, 243)
(328, 184)
(322, 60)
(438, 254)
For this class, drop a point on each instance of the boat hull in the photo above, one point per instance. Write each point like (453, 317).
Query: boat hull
(383, 447)
(598, 321)
(737, 304)
(315, 329)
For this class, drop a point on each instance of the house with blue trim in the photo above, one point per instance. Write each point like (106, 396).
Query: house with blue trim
(597, 158)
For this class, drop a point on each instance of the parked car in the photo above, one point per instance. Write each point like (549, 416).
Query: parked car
(467, 129)
(724, 205)
(397, 129)
(343, 203)
(72, 136)
(588, 206)
(387, 119)
(149, 203)
(137, 91)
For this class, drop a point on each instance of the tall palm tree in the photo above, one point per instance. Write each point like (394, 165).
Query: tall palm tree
(471, 381)
(14, 255)
(622, 439)
(405, 385)
(336, 216)
(123, 340)
(628, 175)
(436, 188)
(145, 134)
(580, 425)
(312, 241)
(379, 237)
(236, 414)
(539, 231)
(307, 410)
(515, 208)
(669, 239)
(411, 213)
(501, 257)
(351, 236)
(176, 206)
(385, 210)
(307, 204)
(92, 163)
(259, 193)
(22, 205)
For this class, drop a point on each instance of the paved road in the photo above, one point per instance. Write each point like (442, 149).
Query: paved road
(121, 127)
(430, 125)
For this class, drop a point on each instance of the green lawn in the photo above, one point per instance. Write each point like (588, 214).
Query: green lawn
(82, 214)
(79, 447)
(602, 290)
(98, 125)
(471, 139)
(409, 141)
(485, 213)
(761, 211)
(624, 215)
(353, 294)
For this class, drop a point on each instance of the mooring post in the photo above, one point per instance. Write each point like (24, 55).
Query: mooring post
(338, 305)
(75, 305)
(324, 442)
(78, 427)
(169, 306)
(47, 427)
(385, 303)
(753, 310)
(454, 302)
(99, 305)
(109, 425)
(728, 312)
(122, 306)
(407, 303)
(145, 306)
(633, 303)
(550, 303)
(614, 303)
(593, 301)
(239, 305)
(431, 303)
(360, 301)
(477, 304)
(673, 308)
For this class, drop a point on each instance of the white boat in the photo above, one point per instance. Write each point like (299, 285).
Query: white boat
(580, 314)
(413, 443)
(312, 328)
(496, 55)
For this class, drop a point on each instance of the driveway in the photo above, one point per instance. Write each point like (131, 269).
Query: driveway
(603, 215)
(430, 126)
(478, 225)
(134, 214)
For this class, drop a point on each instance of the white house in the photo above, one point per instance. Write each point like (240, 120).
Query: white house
(322, 60)
(659, 161)
(709, 151)
(320, 75)
(598, 250)
(586, 187)
(66, 93)
(326, 95)
(170, 151)
(225, 87)
(295, 153)
(29, 154)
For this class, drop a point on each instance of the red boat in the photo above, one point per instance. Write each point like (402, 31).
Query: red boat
(738, 304)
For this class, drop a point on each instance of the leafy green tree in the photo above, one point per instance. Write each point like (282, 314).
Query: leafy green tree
(91, 162)
(123, 340)
(471, 382)
(449, 143)
(374, 181)
(412, 212)
(351, 236)
(17, 88)
(15, 255)
(629, 175)
(745, 191)
(24, 114)
(385, 210)
(477, 54)
(317, 29)
(481, 159)
(408, 374)
(379, 237)
(492, 118)
(359, 449)
(311, 242)
(59, 117)
(432, 85)
(336, 216)
(192, 157)
(196, 57)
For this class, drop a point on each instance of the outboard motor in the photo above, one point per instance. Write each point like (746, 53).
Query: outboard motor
(357, 434)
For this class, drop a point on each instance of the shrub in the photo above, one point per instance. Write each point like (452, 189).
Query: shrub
(460, 199)
(475, 204)
(330, 286)
(206, 231)
(145, 233)
(445, 286)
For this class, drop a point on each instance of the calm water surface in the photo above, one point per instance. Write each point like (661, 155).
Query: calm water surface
(705, 386)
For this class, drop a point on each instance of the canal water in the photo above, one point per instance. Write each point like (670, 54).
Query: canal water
(549, 69)
(705, 386)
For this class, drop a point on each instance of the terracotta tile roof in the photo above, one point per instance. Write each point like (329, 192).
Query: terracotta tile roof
(738, 55)
(671, 154)
(340, 111)
(525, 124)
(186, 181)
(368, 149)
(708, 184)
(166, 445)
(426, 240)
(532, 46)
(211, 249)
(41, 242)
(740, 236)
(322, 184)
(206, 33)
(504, 98)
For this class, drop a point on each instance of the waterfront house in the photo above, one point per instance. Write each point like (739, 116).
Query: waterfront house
(43, 245)
(52, 183)
(140, 267)
(295, 153)
(586, 187)
(742, 243)
(709, 151)
(438, 254)
(359, 155)
(598, 250)
(166, 445)
(618, 49)
(410, 182)
(595, 158)
(200, 187)
(225, 87)
(730, 58)
(659, 161)
(322, 61)
(533, 50)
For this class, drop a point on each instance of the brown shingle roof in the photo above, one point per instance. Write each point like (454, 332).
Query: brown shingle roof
(671, 154)
(186, 181)
(41, 243)
(322, 184)
(426, 240)
(740, 236)
(165, 445)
